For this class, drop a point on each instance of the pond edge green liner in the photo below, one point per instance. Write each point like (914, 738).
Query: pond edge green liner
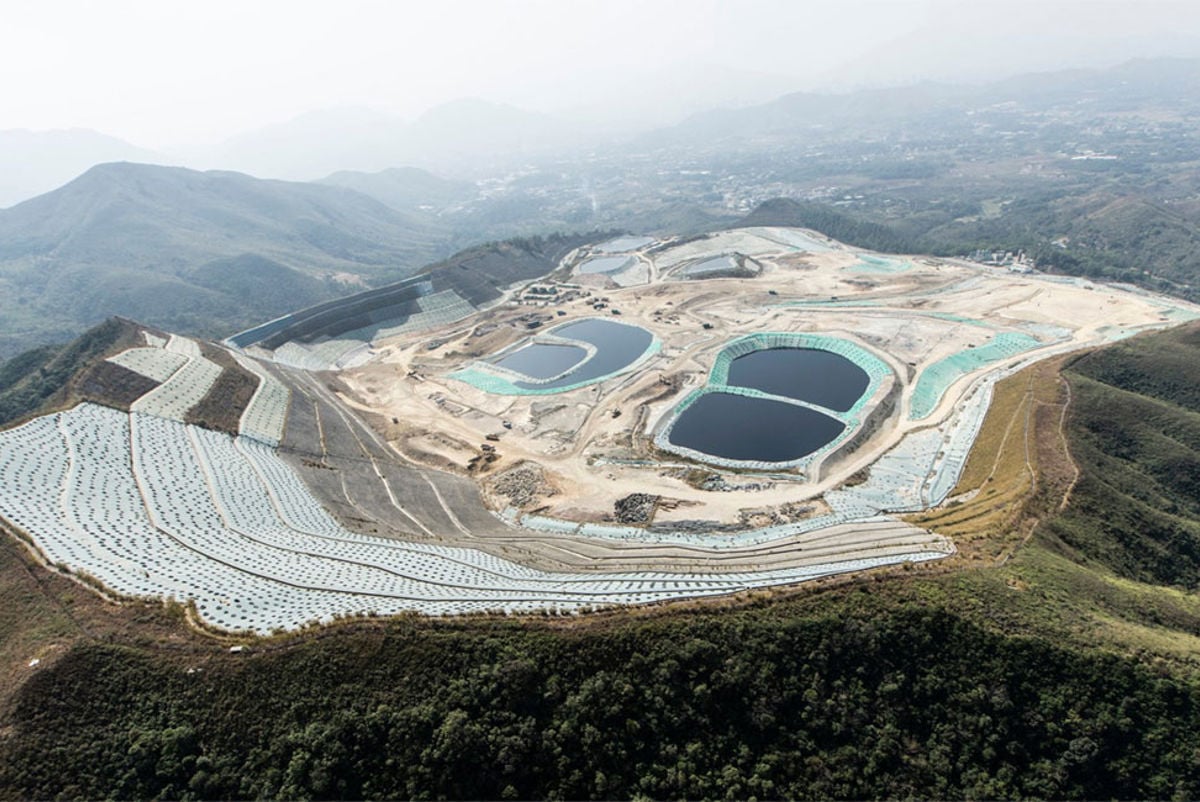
(876, 369)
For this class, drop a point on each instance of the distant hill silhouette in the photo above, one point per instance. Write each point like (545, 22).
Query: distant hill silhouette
(465, 132)
(197, 252)
(404, 188)
(34, 162)
(807, 116)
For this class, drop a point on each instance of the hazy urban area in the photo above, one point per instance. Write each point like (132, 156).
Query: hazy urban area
(528, 400)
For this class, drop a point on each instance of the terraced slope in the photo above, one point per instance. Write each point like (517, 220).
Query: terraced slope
(148, 506)
(446, 291)
(144, 504)
(1048, 672)
(57, 376)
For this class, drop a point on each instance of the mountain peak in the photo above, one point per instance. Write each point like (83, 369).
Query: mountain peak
(140, 240)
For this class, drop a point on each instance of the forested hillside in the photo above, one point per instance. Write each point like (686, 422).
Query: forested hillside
(201, 253)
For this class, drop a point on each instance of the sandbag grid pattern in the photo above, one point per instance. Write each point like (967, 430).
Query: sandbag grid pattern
(266, 413)
(325, 355)
(438, 309)
(153, 340)
(153, 363)
(151, 507)
(935, 380)
(184, 346)
(186, 388)
(433, 311)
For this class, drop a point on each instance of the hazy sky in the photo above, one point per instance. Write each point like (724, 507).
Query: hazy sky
(162, 73)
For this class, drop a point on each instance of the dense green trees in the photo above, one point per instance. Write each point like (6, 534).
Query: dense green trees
(865, 700)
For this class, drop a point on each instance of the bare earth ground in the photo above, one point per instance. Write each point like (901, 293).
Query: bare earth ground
(578, 439)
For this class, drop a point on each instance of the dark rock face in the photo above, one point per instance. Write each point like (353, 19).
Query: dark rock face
(636, 508)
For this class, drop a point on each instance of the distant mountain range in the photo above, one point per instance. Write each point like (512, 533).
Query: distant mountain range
(212, 252)
(202, 252)
(807, 116)
(463, 134)
(458, 136)
(472, 136)
(406, 189)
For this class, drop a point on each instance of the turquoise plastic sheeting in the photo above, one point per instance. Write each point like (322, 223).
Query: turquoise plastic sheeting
(937, 378)
(968, 321)
(879, 264)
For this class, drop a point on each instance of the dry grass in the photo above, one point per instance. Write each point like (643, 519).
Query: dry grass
(1019, 468)
(43, 613)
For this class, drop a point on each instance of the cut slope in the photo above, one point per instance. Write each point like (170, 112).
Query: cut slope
(475, 276)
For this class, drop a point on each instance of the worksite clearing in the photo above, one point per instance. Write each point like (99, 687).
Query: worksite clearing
(641, 433)
(933, 333)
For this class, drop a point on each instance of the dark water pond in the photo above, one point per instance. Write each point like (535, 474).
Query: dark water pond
(806, 374)
(618, 346)
(542, 360)
(740, 428)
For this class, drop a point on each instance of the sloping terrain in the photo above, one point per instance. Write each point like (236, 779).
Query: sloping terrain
(34, 162)
(1016, 666)
(1136, 419)
(123, 493)
(838, 225)
(161, 244)
(55, 377)
(465, 282)
(1033, 676)
(404, 188)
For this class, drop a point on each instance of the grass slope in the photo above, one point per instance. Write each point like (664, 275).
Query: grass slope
(1136, 426)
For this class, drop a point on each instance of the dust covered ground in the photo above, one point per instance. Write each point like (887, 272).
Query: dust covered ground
(582, 455)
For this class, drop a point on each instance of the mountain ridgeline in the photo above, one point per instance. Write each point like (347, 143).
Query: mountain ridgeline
(202, 253)
(58, 376)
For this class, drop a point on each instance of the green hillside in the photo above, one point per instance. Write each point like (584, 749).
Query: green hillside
(202, 253)
(1055, 660)
(57, 376)
(1136, 424)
